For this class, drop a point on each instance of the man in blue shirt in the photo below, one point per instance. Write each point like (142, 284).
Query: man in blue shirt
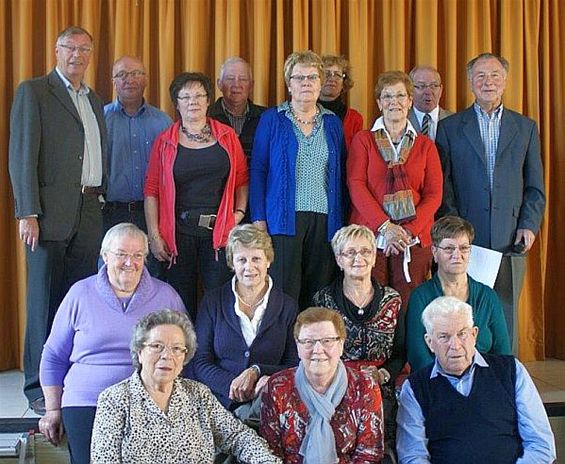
(467, 407)
(133, 125)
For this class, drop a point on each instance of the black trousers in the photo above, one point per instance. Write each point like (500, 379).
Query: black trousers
(304, 263)
(78, 423)
(51, 270)
(197, 259)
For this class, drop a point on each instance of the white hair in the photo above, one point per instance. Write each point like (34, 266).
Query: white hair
(446, 307)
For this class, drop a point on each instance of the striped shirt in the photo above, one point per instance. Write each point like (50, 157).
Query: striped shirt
(489, 125)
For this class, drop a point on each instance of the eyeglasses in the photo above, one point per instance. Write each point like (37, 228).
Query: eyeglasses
(352, 253)
(336, 74)
(431, 86)
(462, 336)
(450, 249)
(123, 75)
(158, 348)
(74, 48)
(188, 98)
(386, 97)
(233, 79)
(310, 343)
(121, 256)
(483, 76)
(302, 78)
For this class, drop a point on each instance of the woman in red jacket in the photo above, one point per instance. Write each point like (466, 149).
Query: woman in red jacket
(195, 191)
(337, 83)
(395, 183)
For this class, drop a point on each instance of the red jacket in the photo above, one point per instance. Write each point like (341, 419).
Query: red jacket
(366, 174)
(159, 181)
(352, 123)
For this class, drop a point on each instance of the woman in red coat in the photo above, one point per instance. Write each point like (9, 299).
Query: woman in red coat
(395, 184)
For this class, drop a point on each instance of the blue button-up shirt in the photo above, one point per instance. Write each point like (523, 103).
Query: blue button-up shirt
(489, 125)
(533, 424)
(130, 139)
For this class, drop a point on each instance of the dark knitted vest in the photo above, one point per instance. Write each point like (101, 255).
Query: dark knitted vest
(481, 428)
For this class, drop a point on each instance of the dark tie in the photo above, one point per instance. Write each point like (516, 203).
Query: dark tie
(426, 124)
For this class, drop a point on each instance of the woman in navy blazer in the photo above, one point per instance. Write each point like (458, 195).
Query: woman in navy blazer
(244, 328)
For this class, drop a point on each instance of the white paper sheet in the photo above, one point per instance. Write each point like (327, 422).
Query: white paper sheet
(484, 265)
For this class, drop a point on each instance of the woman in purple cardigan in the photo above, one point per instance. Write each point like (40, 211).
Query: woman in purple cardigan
(88, 348)
(244, 328)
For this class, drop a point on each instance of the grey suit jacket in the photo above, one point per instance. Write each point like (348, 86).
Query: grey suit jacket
(46, 152)
(414, 119)
(517, 200)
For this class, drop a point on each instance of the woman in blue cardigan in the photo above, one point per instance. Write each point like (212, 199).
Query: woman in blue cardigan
(244, 328)
(296, 176)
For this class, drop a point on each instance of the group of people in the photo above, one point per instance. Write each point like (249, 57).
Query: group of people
(305, 323)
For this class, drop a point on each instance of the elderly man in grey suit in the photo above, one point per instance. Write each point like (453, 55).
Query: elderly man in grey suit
(426, 112)
(493, 176)
(57, 164)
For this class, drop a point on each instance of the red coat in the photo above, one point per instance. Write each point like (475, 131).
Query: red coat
(159, 181)
(352, 123)
(366, 174)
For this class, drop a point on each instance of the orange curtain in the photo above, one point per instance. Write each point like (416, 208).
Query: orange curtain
(377, 35)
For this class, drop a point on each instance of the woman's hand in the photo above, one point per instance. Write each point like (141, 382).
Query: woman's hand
(51, 427)
(260, 384)
(397, 238)
(242, 388)
(159, 249)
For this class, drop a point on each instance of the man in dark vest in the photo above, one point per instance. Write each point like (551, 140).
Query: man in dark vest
(469, 407)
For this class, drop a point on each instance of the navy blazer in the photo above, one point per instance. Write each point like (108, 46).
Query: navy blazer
(222, 352)
(517, 200)
(46, 154)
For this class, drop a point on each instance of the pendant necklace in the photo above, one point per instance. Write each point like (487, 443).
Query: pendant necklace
(360, 310)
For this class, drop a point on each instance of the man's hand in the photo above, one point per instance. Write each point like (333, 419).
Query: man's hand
(527, 237)
(29, 231)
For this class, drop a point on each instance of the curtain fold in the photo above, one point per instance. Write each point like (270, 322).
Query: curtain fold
(376, 35)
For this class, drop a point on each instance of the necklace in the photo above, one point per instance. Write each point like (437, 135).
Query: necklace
(312, 121)
(360, 306)
(252, 306)
(201, 137)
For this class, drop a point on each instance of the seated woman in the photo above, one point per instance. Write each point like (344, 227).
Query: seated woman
(452, 237)
(155, 416)
(244, 328)
(322, 411)
(87, 350)
(374, 321)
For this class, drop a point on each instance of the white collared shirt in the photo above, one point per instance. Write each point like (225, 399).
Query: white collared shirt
(250, 327)
(380, 124)
(434, 115)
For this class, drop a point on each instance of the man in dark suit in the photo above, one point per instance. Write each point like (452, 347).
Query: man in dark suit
(57, 164)
(426, 112)
(493, 176)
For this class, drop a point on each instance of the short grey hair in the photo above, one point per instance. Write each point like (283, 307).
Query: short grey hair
(485, 56)
(249, 236)
(155, 319)
(124, 229)
(73, 30)
(446, 307)
(424, 67)
(234, 60)
(351, 232)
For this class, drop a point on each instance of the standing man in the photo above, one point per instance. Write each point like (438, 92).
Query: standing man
(426, 112)
(235, 108)
(493, 177)
(57, 166)
(133, 124)
(467, 407)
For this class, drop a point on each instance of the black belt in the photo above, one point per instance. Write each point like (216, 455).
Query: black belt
(206, 221)
(88, 190)
(130, 206)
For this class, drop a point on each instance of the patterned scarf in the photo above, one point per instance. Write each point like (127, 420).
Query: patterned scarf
(318, 445)
(398, 201)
